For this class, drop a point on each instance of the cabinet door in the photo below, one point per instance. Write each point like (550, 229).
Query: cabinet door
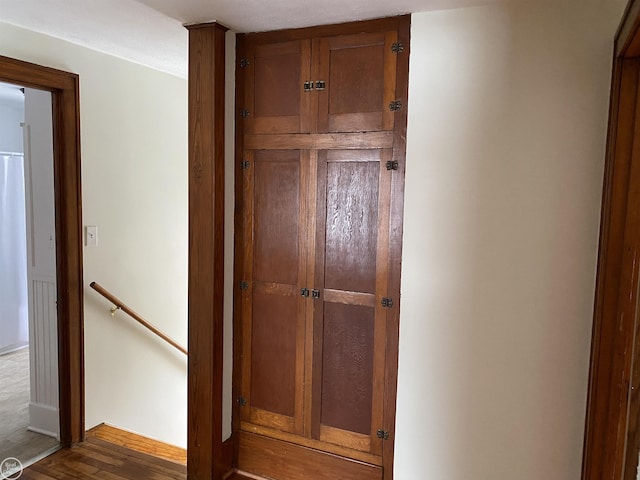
(273, 309)
(349, 320)
(359, 75)
(275, 96)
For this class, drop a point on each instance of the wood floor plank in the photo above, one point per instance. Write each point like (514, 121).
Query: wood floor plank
(96, 459)
(127, 455)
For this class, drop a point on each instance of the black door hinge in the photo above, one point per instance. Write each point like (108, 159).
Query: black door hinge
(245, 164)
(244, 113)
(308, 86)
(321, 85)
(397, 47)
(304, 292)
(244, 286)
(383, 434)
(242, 401)
(315, 293)
(392, 165)
(395, 106)
(387, 302)
(244, 62)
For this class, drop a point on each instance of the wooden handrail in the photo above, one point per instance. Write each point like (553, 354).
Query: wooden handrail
(119, 305)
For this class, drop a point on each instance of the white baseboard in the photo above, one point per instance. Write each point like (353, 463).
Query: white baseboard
(13, 348)
(44, 419)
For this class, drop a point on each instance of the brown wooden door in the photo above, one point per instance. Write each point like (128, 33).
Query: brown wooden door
(359, 75)
(273, 309)
(350, 85)
(276, 101)
(314, 323)
(353, 199)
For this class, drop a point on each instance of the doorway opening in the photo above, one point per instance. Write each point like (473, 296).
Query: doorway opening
(67, 235)
(29, 414)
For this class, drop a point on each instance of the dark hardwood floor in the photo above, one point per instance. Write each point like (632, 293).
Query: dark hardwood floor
(98, 459)
(107, 455)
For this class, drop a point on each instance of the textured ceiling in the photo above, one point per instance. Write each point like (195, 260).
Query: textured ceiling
(150, 32)
(261, 15)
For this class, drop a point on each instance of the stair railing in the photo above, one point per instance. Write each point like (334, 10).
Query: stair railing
(119, 305)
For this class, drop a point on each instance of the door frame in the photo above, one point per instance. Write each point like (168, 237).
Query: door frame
(612, 436)
(64, 88)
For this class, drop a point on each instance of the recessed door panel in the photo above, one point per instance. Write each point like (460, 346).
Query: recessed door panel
(347, 367)
(273, 351)
(358, 72)
(276, 211)
(351, 224)
(275, 96)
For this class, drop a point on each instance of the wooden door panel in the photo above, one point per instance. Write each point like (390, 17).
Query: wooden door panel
(275, 97)
(276, 214)
(359, 72)
(273, 310)
(347, 367)
(351, 224)
(273, 352)
(349, 323)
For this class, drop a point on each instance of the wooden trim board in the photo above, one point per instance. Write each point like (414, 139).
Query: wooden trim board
(206, 454)
(273, 458)
(611, 431)
(139, 443)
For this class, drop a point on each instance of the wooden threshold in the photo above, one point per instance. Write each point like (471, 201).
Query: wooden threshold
(139, 443)
(244, 476)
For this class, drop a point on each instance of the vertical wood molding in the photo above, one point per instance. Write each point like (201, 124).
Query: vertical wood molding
(205, 453)
(238, 243)
(67, 178)
(64, 87)
(610, 398)
(395, 245)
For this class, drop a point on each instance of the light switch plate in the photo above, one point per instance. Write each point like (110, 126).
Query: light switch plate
(91, 236)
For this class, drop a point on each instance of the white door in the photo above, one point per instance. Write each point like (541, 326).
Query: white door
(41, 263)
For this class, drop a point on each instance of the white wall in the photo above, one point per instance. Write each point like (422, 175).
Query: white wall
(14, 331)
(507, 124)
(506, 140)
(11, 115)
(134, 175)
